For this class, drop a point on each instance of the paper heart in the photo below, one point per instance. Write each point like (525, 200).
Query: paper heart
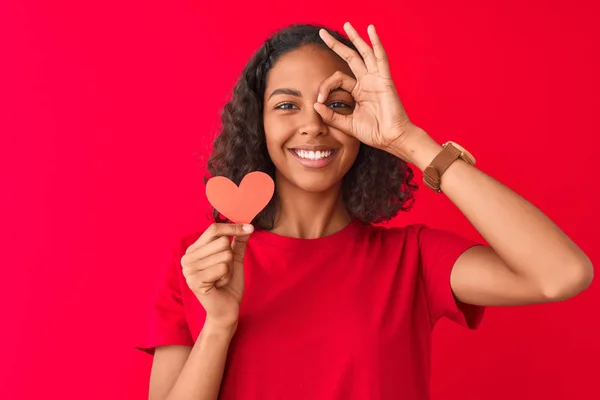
(240, 204)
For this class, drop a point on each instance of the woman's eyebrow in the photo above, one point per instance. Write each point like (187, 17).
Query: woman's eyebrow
(291, 92)
(296, 93)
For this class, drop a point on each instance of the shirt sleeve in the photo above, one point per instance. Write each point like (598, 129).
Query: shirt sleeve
(438, 251)
(166, 322)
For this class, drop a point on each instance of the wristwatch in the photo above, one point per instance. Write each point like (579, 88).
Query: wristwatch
(451, 152)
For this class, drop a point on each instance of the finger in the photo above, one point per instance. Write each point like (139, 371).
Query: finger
(337, 80)
(330, 117)
(238, 247)
(221, 257)
(206, 278)
(380, 55)
(220, 229)
(193, 268)
(221, 243)
(225, 279)
(365, 50)
(356, 64)
(211, 275)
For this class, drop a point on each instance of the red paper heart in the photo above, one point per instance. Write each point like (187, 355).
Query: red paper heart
(240, 204)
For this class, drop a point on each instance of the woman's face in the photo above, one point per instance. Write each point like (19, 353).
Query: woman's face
(307, 153)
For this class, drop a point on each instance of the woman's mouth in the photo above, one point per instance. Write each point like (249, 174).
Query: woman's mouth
(312, 158)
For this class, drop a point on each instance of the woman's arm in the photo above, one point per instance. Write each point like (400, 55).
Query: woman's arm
(530, 260)
(198, 377)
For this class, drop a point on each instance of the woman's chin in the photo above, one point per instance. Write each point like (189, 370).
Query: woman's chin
(311, 181)
(312, 185)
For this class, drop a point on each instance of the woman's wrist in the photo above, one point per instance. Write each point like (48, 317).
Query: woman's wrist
(417, 148)
(219, 329)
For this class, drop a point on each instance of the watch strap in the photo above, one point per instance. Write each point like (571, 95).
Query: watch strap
(432, 175)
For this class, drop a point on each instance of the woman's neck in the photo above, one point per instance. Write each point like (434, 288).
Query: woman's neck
(309, 215)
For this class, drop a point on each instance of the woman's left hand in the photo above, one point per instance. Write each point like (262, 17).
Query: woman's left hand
(379, 119)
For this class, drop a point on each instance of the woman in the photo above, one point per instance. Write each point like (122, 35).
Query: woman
(316, 302)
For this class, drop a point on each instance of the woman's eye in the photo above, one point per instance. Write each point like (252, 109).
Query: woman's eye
(283, 106)
(290, 106)
(340, 104)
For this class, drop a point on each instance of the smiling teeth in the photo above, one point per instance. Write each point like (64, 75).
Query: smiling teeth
(313, 155)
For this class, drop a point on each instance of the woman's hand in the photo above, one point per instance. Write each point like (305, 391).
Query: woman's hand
(213, 267)
(379, 119)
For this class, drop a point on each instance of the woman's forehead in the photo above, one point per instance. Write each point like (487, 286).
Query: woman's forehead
(305, 65)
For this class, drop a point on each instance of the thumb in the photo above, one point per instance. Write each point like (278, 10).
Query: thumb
(240, 241)
(238, 246)
(241, 234)
(330, 117)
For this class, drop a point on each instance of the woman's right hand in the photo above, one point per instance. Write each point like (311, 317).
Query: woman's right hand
(213, 267)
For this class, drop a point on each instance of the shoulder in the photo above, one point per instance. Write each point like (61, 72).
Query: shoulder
(417, 238)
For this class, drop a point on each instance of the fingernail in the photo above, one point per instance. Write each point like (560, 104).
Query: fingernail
(320, 98)
(247, 228)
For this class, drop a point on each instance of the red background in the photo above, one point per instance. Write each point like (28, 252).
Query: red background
(107, 106)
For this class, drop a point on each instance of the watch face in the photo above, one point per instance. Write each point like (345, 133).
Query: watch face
(465, 155)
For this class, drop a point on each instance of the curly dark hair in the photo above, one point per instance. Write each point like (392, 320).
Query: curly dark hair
(376, 187)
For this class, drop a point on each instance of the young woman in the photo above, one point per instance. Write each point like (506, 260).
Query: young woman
(312, 301)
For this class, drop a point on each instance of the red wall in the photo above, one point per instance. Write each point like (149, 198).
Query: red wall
(106, 106)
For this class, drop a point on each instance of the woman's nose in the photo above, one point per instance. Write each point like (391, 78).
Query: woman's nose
(313, 124)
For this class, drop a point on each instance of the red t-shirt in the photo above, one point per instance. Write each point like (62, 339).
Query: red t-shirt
(346, 316)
